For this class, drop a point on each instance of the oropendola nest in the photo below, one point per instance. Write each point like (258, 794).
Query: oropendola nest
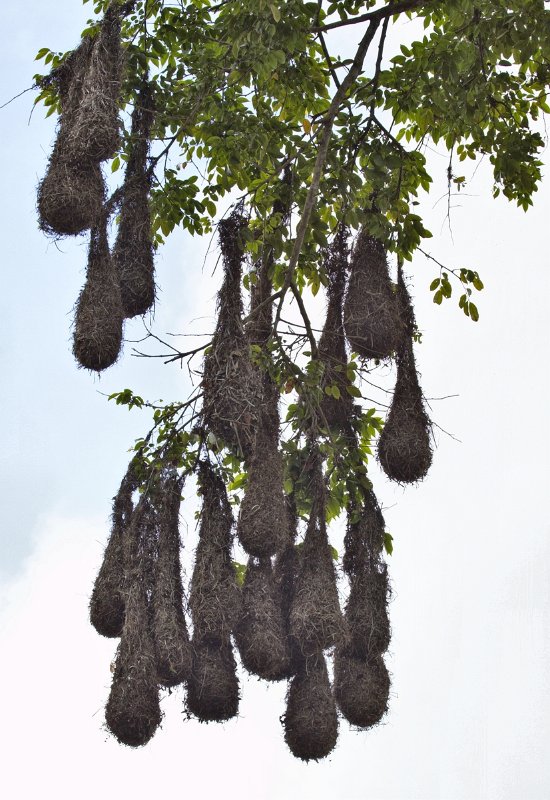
(361, 688)
(260, 633)
(98, 319)
(311, 720)
(372, 322)
(213, 688)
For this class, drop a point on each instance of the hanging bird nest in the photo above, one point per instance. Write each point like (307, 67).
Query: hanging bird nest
(404, 447)
(173, 649)
(361, 689)
(311, 719)
(68, 79)
(285, 574)
(133, 249)
(213, 688)
(231, 382)
(98, 319)
(316, 621)
(260, 632)
(372, 322)
(263, 523)
(107, 601)
(94, 132)
(71, 195)
(214, 597)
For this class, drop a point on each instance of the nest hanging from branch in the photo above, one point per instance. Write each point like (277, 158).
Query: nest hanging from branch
(372, 322)
(232, 390)
(133, 249)
(98, 318)
(71, 195)
(311, 721)
(213, 687)
(361, 688)
(404, 447)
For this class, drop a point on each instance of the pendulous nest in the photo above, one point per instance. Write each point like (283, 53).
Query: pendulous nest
(263, 522)
(172, 645)
(231, 382)
(372, 321)
(311, 720)
(98, 319)
(316, 621)
(107, 601)
(133, 249)
(404, 447)
(260, 634)
(361, 689)
(213, 687)
(214, 597)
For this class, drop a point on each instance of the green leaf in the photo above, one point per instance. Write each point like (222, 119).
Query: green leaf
(388, 543)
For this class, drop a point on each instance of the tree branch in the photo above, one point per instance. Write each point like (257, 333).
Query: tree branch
(373, 16)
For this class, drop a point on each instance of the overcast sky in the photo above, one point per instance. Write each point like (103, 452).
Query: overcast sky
(470, 708)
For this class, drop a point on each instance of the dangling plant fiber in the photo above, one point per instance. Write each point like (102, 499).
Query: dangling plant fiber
(311, 720)
(316, 621)
(361, 688)
(94, 133)
(232, 390)
(107, 601)
(214, 597)
(404, 446)
(371, 313)
(172, 645)
(260, 632)
(336, 407)
(98, 319)
(133, 712)
(133, 249)
(213, 688)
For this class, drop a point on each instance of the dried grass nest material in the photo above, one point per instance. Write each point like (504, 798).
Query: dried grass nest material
(311, 720)
(214, 598)
(372, 322)
(260, 634)
(107, 601)
(213, 687)
(231, 382)
(263, 522)
(172, 645)
(361, 689)
(98, 318)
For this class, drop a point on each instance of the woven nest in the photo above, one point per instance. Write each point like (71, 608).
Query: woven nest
(94, 133)
(372, 322)
(71, 195)
(107, 601)
(214, 597)
(231, 382)
(316, 620)
(404, 447)
(260, 633)
(263, 523)
(213, 688)
(98, 318)
(361, 689)
(133, 250)
(172, 645)
(311, 720)
(69, 79)
(285, 574)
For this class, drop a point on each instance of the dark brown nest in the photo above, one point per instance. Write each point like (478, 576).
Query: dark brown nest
(311, 720)
(372, 321)
(172, 645)
(361, 689)
(94, 132)
(285, 573)
(71, 195)
(316, 620)
(231, 382)
(260, 633)
(107, 601)
(364, 537)
(213, 688)
(214, 597)
(98, 319)
(133, 250)
(263, 523)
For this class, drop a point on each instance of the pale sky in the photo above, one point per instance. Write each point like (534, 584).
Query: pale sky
(470, 709)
